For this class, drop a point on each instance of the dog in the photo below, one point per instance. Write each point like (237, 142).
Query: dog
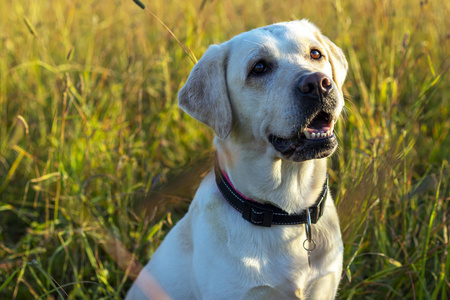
(262, 224)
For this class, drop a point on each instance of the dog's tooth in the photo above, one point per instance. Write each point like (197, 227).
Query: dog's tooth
(313, 135)
(307, 134)
(328, 133)
(323, 134)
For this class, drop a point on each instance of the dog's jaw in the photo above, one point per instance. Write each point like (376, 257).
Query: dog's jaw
(314, 140)
(302, 149)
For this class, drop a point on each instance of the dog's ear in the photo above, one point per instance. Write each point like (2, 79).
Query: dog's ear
(337, 60)
(205, 94)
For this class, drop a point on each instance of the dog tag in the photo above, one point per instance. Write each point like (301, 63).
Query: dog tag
(309, 244)
(309, 258)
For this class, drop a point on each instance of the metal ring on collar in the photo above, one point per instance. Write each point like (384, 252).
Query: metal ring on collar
(310, 242)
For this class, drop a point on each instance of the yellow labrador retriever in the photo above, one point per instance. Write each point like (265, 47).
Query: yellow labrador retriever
(262, 224)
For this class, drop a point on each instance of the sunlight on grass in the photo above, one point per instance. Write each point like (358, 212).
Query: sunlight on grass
(97, 162)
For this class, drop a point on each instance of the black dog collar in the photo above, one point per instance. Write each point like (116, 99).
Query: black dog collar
(267, 214)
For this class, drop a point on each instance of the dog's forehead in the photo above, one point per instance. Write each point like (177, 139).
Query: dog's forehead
(295, 31)
(283, 38)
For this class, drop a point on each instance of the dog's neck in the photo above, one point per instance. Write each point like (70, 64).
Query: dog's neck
(265, 178)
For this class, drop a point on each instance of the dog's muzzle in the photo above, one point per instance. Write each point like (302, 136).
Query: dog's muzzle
(315, 137)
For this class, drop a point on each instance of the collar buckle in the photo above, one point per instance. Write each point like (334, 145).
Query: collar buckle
(261, 217)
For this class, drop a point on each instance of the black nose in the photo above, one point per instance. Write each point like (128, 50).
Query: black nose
(315, 84)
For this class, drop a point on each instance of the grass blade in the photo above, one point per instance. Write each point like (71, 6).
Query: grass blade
(8, 280)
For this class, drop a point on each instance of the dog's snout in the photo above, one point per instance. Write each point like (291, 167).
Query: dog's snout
(317, 84)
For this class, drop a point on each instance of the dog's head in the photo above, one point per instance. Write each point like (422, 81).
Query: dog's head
(277, 88)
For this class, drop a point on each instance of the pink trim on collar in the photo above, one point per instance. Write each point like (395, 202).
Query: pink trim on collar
(240, 194)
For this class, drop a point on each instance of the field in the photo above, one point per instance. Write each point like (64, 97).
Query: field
(97, 162)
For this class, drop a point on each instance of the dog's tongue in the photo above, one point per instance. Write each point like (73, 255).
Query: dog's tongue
(320, 127)
(319, 124)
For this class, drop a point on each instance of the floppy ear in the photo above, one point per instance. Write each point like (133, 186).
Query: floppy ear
(205, 94)
(337, 60)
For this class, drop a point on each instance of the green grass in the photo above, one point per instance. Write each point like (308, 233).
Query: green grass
(97, 162)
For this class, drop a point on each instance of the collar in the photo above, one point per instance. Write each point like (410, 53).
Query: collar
(266, 215)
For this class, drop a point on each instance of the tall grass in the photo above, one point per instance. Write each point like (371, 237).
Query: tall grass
(97, 162)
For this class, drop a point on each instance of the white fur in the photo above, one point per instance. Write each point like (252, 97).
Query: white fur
(213, 253)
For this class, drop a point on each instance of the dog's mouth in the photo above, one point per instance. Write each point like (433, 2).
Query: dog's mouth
(320, 127)
(315, 140)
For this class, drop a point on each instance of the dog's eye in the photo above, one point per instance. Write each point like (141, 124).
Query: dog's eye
(259, 68)
(315, 54)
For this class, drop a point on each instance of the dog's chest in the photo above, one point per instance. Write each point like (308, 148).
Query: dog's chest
(269, 265)
(259, 262)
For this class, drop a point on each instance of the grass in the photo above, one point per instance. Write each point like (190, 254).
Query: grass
(97, 162)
